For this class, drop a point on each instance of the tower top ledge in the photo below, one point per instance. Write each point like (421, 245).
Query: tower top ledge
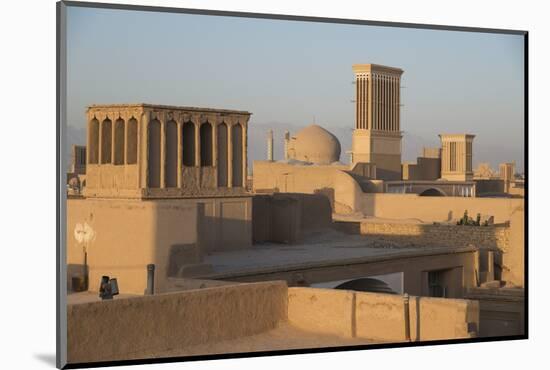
(363, 68)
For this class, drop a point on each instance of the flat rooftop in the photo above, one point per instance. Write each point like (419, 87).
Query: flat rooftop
(167, 107)
(327, 248)
(284, 337)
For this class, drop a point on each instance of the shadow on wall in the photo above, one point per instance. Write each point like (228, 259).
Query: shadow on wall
(214, 234)
(217, 234)
(328, 193)
(285, 218)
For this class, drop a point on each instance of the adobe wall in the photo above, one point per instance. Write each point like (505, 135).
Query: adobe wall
(172, 234)
(381, 316)
(502, 310)
(429, 168)
(224, 223)
(285, 218)
(438, 235)
(514, 253)
(332, 181)
(124, 328)
(435, 209)
(489, 186)
(126, 235)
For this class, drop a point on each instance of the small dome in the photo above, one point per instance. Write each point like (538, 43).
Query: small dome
(316, 145)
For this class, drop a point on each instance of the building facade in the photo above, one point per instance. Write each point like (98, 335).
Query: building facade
(157, 151)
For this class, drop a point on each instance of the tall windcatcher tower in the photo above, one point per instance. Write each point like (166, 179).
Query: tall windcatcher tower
(377, 135)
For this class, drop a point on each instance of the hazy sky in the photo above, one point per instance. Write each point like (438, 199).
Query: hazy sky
(287, 72)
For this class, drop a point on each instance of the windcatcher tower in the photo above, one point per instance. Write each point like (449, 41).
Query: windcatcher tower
(456, 157)
(377, 135)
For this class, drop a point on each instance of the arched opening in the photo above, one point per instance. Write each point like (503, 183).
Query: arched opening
(106, 141)
(366, 285)
(432, 193)
(119, 141)
(206, 144)
(93, 134)
(171, 167)
(188, 138)
(237, 160)
(153, 154)
(221, 148)
(131, 141)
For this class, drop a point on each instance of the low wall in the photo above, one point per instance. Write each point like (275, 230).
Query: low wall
(435, 209)
(436, 235)
(124, 328)
(381, 316)
(501, 311)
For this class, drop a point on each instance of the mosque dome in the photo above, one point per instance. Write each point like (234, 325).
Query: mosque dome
(316, 145)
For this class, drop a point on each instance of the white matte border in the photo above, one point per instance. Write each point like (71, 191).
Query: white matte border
(28, 183)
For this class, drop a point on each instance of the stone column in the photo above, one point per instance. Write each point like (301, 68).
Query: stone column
(244, 146)
(100, 139)
(162, 119)
(215, 124)
(179, 125)
(142, 159)
(88, 138)
(230, 153)
(198, 142)
(113, 134)
(125, 141)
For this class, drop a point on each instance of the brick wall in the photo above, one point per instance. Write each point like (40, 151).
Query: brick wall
(438, 235)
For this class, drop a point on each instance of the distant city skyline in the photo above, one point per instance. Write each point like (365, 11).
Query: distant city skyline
(290, 73)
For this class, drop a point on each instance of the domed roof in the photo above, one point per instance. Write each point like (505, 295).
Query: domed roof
(317, 145)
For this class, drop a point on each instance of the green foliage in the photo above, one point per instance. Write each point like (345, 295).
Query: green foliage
(468, 221)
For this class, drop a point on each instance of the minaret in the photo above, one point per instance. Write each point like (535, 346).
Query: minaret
(287, 141)
(377, 134)
(270, 145)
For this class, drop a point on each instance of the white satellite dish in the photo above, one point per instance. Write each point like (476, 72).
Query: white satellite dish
(83, 233)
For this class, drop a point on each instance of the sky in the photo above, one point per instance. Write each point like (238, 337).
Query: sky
(289, 74)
